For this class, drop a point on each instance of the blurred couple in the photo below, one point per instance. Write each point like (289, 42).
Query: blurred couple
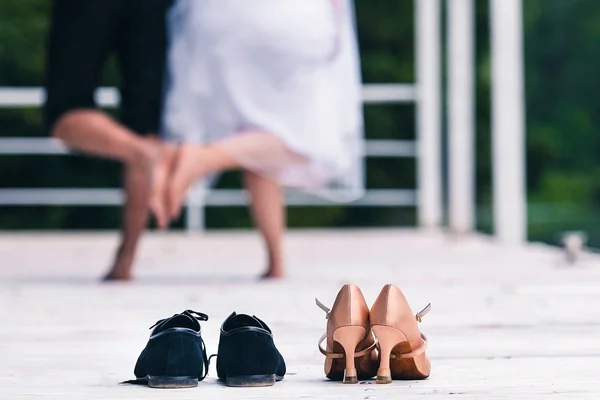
(268, 87)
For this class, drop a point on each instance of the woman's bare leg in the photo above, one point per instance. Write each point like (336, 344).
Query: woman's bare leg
(194, 162)
(158, 199)
(247, 149)
(268, 212)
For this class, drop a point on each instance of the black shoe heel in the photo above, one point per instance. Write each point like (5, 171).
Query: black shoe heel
(172, 382)
(250, 380)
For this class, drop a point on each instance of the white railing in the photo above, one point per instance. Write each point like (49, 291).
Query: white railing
(220, 197)
(49, 146)
(110, 97)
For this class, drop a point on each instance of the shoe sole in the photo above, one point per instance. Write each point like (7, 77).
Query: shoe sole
(251, 380)
(172, 382)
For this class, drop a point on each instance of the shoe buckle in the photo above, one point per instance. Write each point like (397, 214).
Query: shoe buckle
(419, 316)
(323, 307)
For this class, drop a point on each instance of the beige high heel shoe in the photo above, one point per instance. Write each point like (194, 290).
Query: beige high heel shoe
(350, 352)
(401, 345)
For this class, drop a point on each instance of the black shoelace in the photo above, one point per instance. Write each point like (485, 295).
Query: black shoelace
(192, 314)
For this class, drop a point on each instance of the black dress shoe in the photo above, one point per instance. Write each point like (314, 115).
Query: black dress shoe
(175, 356)
(247, 354)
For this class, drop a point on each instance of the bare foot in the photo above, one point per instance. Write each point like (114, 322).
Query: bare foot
(273, 273)
(188, 168)
(117, 276)
(121, 269)
(161, 171)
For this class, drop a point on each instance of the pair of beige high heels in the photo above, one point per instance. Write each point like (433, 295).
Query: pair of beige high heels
(384, 341)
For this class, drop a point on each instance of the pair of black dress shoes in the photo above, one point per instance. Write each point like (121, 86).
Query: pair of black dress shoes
(175, 355)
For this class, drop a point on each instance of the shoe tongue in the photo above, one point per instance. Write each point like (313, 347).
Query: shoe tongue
(242, 320)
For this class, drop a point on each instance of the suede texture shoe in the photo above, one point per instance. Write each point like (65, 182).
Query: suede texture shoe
(175, 355)
(247, 355)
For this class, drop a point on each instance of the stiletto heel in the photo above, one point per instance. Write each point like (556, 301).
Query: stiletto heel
(401, 345)
(350, 352)
(349, 337)
(387, 339)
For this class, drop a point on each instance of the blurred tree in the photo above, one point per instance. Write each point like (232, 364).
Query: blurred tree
(563, 109)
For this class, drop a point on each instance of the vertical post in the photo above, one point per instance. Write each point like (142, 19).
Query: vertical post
(194, 221)
(427, 48)
(508, 125)
(461, 177)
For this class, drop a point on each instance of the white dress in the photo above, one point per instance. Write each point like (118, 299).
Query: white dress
(289, 68)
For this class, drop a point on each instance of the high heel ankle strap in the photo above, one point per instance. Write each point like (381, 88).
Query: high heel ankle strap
(420, 350)
(331, 354)
(324, 308)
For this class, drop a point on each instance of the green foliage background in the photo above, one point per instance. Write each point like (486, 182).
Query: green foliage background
(563, 112)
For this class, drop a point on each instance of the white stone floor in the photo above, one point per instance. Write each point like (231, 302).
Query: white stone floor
(506, 323)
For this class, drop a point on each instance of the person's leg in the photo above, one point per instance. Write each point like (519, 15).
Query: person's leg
(138, 189)
(79, 43)
(194, 162)
(135, 218)
(141, 49)
(252, 150)
(142, 52)
(93, 132)
(268, 212)
(81, 38)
